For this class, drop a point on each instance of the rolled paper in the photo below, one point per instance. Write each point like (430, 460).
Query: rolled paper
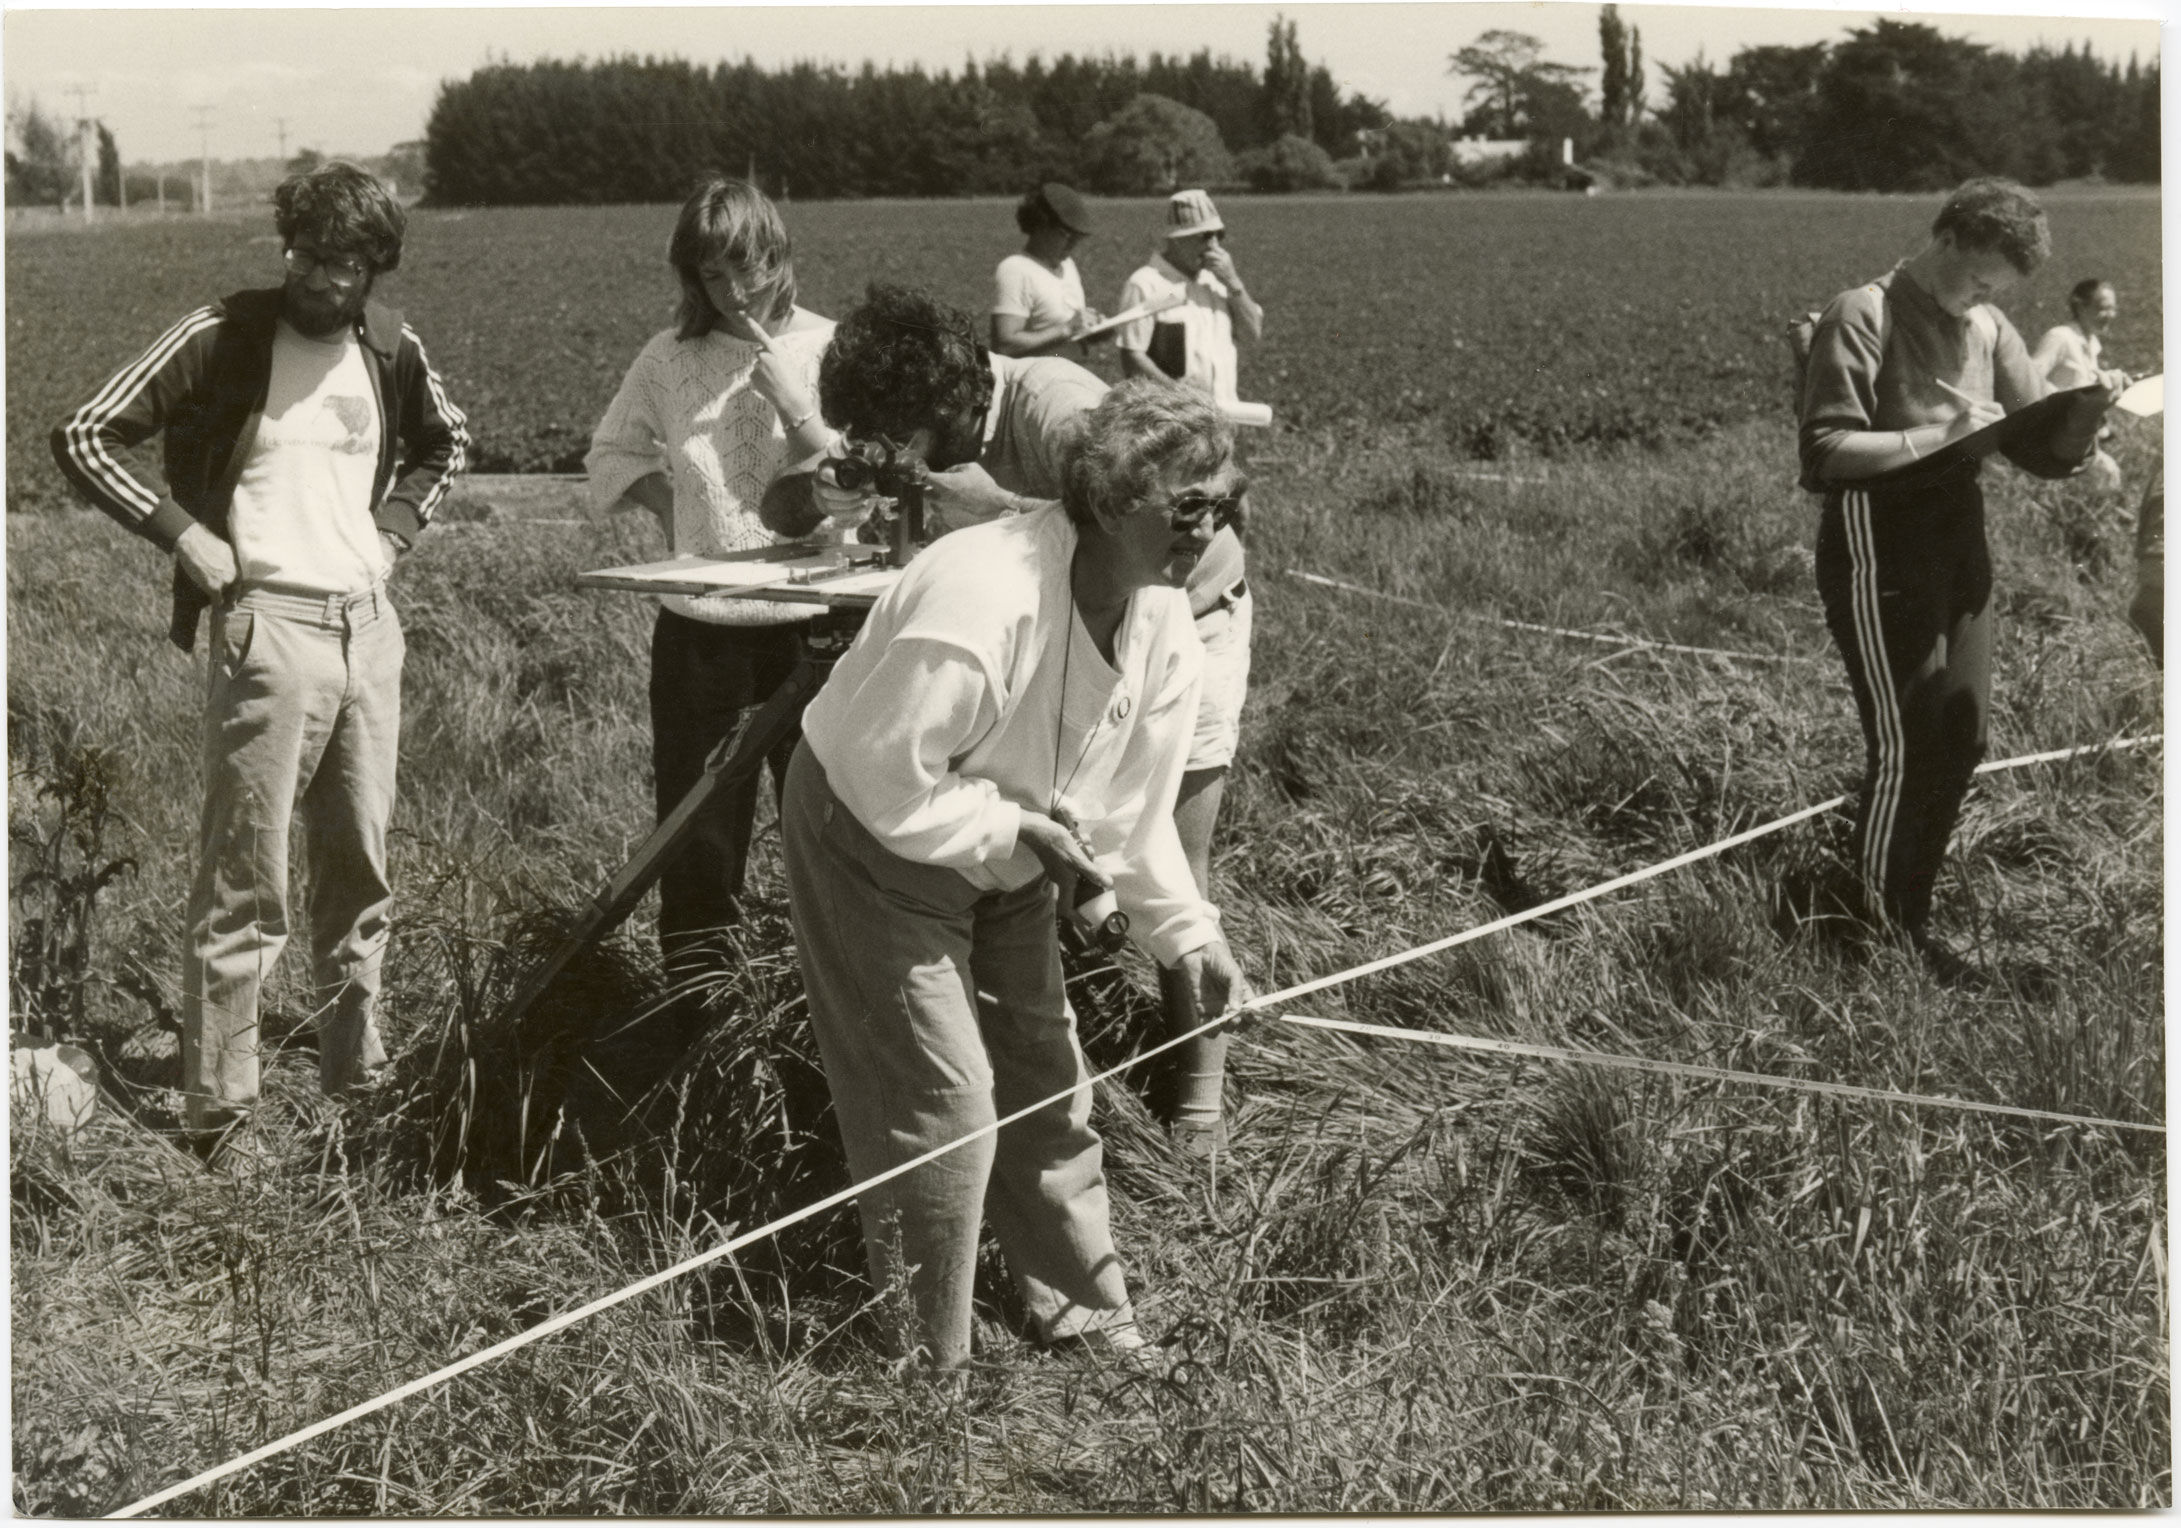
(1257, 415)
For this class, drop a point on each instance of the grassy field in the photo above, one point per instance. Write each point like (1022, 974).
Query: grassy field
(1419, 1281)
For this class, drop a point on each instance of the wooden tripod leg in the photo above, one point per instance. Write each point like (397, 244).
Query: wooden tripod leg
(739, 756)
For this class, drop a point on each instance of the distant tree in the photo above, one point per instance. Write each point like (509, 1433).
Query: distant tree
(1620, 85)
(1902, 107)
(1408, 151)
(106, 181)
(1771, 92)
(1153, 145)
(42, 160)
(1513, 84)
(305, 161)
(2135, 147)
(1287, 106)
(1337, 122)
(1289, 163)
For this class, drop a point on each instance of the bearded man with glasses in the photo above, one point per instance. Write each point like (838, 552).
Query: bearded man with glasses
(307, 441)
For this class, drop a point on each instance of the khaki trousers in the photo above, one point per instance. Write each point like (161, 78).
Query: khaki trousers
(938, 1008)
(302, 717)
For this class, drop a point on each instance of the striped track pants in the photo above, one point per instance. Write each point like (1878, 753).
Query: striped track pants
(1906, 579)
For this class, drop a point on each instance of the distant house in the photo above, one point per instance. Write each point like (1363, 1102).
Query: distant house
(1477, 151)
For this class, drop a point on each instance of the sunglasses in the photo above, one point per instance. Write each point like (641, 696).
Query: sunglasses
(1187, 511)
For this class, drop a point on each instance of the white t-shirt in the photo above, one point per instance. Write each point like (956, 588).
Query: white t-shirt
(943, 722)
(1204, 316)
(301, 517)
(2068, 357)
(687, 409)
(1027, 289)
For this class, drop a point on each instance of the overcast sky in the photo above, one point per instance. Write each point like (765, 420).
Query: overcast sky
(360, 80)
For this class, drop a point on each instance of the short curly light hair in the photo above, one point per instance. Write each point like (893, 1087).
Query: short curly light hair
(902, 362)
(342, 209)
(729, 220)
(1994, 215)
(1141, 431)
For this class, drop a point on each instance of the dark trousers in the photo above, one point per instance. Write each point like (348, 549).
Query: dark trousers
(703, 678)
(1906, 578)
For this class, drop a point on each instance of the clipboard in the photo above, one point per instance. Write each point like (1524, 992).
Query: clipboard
(2144, 398)
(1131, 315)
(782, 575)
(2077, 408)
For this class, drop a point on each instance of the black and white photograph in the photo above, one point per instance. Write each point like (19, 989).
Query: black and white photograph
(1085, 760)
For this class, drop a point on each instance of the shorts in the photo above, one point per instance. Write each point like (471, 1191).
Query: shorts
(1225, 632)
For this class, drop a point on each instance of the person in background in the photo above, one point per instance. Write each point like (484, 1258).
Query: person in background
(1195, 343)
(1037, 295)
(708, 412)
(2069, 354)
(1012, 719)
(2072, 354)
(1903, 566)
(307, 442)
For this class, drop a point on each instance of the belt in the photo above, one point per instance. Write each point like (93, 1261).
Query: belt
(1232, 596)
(334, 612)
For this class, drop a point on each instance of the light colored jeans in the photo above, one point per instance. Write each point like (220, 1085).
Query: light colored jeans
(938, 1008)
(302, 717)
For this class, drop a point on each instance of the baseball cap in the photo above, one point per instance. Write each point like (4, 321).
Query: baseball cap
(1189, 212)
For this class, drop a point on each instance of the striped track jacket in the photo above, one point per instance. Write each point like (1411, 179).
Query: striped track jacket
(203, 385)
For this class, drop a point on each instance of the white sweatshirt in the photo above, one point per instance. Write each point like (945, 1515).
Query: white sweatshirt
(942, 723)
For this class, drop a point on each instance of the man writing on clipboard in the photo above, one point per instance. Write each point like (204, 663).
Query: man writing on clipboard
(1905, 377)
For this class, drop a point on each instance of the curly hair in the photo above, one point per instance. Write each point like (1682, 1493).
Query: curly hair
(342, 209)
(902, 362)
(1140, 431)
(1995, 215)
(732, 221)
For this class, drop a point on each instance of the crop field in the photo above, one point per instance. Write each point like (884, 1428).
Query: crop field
(1420, 1280)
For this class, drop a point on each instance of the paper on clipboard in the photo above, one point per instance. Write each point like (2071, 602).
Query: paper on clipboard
(1099, 331)
(2144, 398)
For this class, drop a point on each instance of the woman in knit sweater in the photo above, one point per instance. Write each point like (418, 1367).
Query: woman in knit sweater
(705, 417)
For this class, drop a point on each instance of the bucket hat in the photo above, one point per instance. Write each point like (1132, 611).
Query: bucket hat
(1189, 212)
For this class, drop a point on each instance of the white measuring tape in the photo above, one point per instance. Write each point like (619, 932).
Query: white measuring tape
(1706, 1073)
(1265, 1000)
(1607, 638)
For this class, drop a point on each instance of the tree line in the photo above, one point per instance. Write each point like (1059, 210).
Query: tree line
(643, 129)
(1894, 106)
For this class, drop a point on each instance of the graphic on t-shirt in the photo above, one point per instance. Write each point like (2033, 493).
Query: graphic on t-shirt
(355, 417)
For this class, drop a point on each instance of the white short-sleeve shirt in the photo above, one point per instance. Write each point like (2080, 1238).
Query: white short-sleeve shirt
(1029, 290)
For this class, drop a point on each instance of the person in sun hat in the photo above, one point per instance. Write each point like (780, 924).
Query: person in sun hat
(1037, 295)
(1195, 343)
(307, 443)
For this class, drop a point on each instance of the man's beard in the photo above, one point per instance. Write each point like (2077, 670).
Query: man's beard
(319, 314)
(956, 443)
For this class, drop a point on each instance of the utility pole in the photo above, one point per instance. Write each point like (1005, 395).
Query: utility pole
(86, 146)
(280, 125)
(204, 156)
(162, 193)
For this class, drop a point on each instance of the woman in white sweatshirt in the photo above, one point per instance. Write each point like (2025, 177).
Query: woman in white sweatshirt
(1015, 715)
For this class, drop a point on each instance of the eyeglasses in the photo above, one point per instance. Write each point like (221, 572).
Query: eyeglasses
(342, 270)
(1188, 510)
